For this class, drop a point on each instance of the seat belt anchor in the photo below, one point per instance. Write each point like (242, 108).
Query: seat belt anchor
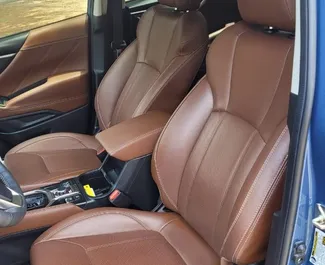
(118, 48)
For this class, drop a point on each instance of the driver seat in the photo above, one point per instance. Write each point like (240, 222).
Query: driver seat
(219, 163)
(154, 73)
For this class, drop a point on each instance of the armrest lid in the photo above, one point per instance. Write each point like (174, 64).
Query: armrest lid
(135, 137)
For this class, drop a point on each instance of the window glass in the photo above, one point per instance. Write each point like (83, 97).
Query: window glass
(21, 15)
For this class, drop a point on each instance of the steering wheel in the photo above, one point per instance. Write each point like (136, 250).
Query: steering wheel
(12, 201)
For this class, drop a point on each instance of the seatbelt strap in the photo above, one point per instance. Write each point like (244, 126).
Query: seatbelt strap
(118, 44)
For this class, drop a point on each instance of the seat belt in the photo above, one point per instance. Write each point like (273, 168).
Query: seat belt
(118, 44)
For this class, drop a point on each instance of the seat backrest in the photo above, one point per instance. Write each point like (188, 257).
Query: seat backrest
(155, 72)
(220, 160)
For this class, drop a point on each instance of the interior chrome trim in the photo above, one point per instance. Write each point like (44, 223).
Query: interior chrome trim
(7, 56)
(62, 197)
(17, 201)
(51, 196)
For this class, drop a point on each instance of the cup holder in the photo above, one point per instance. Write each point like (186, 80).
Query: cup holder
(95, 183)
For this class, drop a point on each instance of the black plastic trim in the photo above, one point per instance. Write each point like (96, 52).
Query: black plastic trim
(9, 47)
(101, 56)
(282, 227)
(12, 44)
(137, 5)
(15, 248)
(19, 122)
(5, 60)
(73, 121)
(27, 88)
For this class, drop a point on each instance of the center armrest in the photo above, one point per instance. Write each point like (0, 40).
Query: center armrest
(135, 137)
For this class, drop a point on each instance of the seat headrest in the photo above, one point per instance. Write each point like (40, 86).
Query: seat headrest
(279, 14)
(182, 4)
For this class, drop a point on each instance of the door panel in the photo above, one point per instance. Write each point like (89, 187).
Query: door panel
(48, 51)
(62, 93)
(45, 79)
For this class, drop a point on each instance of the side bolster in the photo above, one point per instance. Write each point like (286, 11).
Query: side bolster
(177, 140)
(113, 84)
(259, 199)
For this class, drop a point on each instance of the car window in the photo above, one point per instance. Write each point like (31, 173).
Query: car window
(21, 15)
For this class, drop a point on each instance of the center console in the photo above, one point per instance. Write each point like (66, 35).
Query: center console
(64, 192)
(124, 177)
(115, 183)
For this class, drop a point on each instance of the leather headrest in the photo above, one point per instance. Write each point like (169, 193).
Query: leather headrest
(182, 4)
(279, 14)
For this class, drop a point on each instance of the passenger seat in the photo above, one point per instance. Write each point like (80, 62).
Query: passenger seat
(153, 73)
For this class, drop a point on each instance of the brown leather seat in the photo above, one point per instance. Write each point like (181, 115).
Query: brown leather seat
(219, 163)
(153, 73)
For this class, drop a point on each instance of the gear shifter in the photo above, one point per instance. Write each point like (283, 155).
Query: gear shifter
(37, 200)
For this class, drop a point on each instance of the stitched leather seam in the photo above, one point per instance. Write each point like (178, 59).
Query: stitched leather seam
(183, 44)
(41, 157)
(49, 138)
(179, 254)
(150, 30)
(76, 244)
(277, 87)
(53, 42)
(152, 85)
(167, 224)
(123, 242)
(176, 71)
(47, 103)
(215, 131)
(161, 184)
(117, 113)
(193, 147)
(288, 10)
(232, 175)
(100, 86)
(141, 21)
(127, 90)
(253, 187)
(83, 218)
(70, 242)
(30, 70)
(232, 65)
(143, 136)
(47, 154)
(152, 67)
(258, 213)
(73, 49)
(172, 38)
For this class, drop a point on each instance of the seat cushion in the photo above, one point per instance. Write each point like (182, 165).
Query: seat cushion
(51, 158)
(116, 236)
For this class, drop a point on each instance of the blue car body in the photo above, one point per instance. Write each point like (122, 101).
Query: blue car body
(313, 180)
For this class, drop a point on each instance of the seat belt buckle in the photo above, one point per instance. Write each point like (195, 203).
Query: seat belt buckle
(118, 48)
(119, 199)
